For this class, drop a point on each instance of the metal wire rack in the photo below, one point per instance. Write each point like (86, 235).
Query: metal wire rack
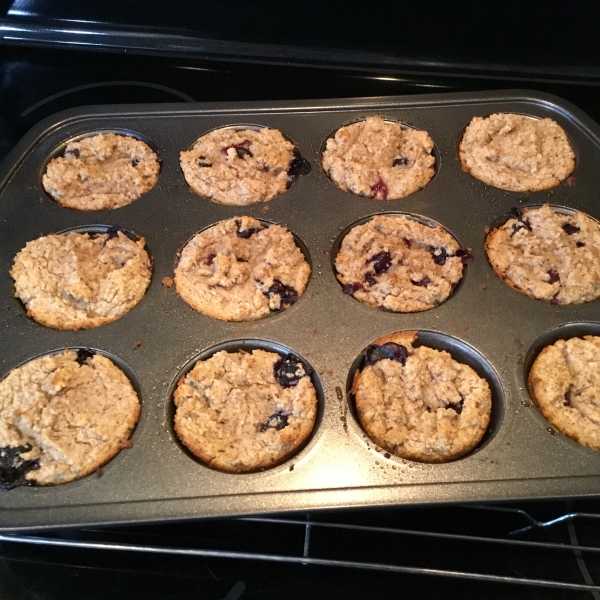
(486, 544)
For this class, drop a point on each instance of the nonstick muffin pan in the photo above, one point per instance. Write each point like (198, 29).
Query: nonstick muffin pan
(484, 323)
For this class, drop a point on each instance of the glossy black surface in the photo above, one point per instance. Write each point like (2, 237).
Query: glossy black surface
(498, 35)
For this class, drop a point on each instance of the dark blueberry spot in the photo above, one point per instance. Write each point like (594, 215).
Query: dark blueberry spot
(74, 151)
(423, 282)
(245, 144)
(288, 371)
(458, 407)
(391, 350)
(580, 244)
(243, 152)
(298, 166)
(159, 160)
(13, 467)
(202, 162)
(382, 261)
(276, 421)
(439, 255)
(553, 276)
(517, 227)
(245, 233)
(370, 279)
(379, 188)
(287, 293)
(400, 161)
(135, 162)
(465, 256)
(570, 229)
(209, 260)
(554, 299)
(83, 355)
(350, 288)
(407, 243)
(517, 213)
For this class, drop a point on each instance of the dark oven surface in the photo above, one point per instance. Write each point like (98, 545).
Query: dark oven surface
(530, 550)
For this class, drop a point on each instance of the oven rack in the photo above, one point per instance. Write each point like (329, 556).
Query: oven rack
(498, 545)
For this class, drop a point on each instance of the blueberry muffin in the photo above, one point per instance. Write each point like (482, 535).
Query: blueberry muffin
(418, 403)
(399, 263)
(242, 167)
(548, 255)
(564, 383)
(62, 416)
(81, 280)
(245, 411)
(379, 159)
(101, 172)
(515, 152)
(240, 270)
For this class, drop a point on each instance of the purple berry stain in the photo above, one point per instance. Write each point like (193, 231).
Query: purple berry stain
(458, 406)
(135, 162)
(370, 279)
(208, 261)
(13, 467)
(570, 229)
(465, 256)
(246, 233)
(382, 261)
(83, 355)
(287, 293)
(276, 421)
(554, 299)
(202, 162)
(243, 152)
(423, 282)
(517, 213)
(390, 350)
(245, 144)
(401, 161)
(553, 276)
(380, 188)
(74, 151)
(298, 166)
(439, 255)
(351, 288)
(288, 371)
(580, 244)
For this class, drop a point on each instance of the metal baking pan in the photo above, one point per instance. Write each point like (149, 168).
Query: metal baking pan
(484, 322)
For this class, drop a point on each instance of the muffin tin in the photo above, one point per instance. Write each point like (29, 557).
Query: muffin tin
(484, 322)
